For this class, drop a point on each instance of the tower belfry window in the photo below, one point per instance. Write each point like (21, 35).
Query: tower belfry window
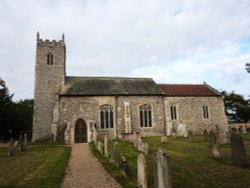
(50, 59)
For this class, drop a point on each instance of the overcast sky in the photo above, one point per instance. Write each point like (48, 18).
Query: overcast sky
(173, 42)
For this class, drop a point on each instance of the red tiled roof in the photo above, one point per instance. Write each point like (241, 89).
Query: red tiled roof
(188, 90)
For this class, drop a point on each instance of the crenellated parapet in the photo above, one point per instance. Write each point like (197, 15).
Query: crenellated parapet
(50, 43)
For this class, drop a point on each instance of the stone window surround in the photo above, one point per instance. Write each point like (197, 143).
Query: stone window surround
(173, 112)
(206, 114)
(106, 124)
(50, 58)
(148, 108)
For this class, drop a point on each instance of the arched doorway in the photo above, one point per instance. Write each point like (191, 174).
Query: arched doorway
(80, 131)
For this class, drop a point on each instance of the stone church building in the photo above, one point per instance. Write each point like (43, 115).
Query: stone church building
(74, 108)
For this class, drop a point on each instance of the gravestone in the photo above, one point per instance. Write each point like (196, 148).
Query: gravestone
(106, 153)
(125, 167)
(144, 148)
(181, 130)
(21, 143)
(190, 136)
(52, 140)
(243, 129)
(25, 142)
(216, 152)
(205, 135)
(162, 174)
(223, 138)
(142, 180)
(238, 151)
(11, 148)
(164, 139)
(212, 139)
(217, 134)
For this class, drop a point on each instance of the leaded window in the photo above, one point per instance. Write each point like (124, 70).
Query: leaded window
(205, 112)
(173, 112)
(145, 116)
(106, 116)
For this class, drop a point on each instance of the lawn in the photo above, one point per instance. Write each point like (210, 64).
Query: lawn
(40, 166)
(191, 164)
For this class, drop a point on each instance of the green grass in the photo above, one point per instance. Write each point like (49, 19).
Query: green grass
(191, 164)
(39, 166)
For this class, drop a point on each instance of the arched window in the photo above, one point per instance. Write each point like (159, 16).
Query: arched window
(50, 59)
(106, 116)
(145, 116)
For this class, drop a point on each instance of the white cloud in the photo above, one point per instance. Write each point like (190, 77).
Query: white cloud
(172, 41)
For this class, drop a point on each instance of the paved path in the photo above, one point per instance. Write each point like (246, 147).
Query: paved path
(85, 171)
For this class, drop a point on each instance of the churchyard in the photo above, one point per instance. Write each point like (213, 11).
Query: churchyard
(190, 162)
(39, 165)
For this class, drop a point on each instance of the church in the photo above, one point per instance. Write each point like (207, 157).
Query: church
(73, 108)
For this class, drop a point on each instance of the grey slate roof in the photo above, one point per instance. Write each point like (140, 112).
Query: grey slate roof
(101, 86)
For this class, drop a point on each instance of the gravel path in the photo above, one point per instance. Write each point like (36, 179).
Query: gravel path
(85, 171)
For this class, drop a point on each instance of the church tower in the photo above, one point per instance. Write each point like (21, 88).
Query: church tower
(49, 77)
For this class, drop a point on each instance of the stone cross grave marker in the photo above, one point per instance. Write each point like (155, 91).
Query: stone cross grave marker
(162, 170)
(238, 151)
(142, 180)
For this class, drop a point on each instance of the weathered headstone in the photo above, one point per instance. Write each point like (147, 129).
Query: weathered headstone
(21, 143)
(25, 142)
(164, 139)
(125, 167)
(106, 153)
(213, 140)
(142, 180)
(205, 135)
(216, 152)
(243, 129)
(11, 148)
(144, 148)
(190, 136)
(162, 170)
(217, 134)
(181, 130)
(223, 138)
(52, 140)
(238, 151)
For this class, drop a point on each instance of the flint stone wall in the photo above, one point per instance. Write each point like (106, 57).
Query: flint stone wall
(190, 112)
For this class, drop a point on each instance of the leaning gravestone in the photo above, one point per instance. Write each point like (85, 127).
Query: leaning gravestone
(238, 151)
(11, 148)
(217, 133)
(142, 180)
(162, 174)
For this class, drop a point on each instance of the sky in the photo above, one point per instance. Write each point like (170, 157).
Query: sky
(173, 42)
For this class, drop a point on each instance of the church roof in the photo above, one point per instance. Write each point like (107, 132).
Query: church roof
(103, 86)
(188, 90)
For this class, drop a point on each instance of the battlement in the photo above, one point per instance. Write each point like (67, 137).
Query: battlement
(50, 43)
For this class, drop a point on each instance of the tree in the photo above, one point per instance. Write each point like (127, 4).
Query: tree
(236, 107)
(5, 110)
(15, 117)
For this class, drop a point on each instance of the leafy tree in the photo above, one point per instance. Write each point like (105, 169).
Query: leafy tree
(15, 117)
(236, 107)
(248, 67)
(5, 109)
